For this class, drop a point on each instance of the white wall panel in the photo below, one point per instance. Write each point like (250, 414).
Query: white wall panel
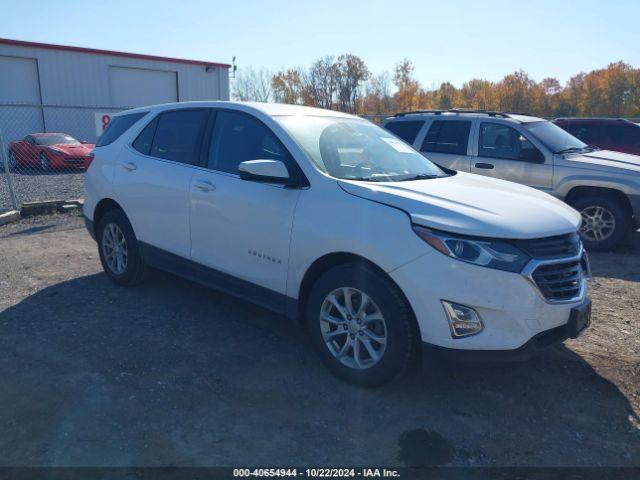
(136, 87)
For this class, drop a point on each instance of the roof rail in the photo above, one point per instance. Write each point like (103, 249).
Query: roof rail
(594, 118)
(402, 114)
(524, 114)
(490, 113)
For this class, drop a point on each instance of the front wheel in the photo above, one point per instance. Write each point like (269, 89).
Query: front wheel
(605, 221)
(45, 162)
(361, 325)
(119, 249)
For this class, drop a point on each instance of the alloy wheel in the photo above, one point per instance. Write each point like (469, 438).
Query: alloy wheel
(114, 248)
(353, 328)
(598, 223)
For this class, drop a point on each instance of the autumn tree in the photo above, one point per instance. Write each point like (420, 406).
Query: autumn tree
(378, 99)
(407, 86)
(253, 85)
(352, 73)
(287, 86)
(345, 83)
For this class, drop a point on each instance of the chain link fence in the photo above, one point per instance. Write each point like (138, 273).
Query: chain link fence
(45, 150)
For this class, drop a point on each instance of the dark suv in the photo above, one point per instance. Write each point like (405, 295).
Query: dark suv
(615, 134)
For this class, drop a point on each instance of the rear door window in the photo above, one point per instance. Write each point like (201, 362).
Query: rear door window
(406, 130)
(117, 126)
(178, 135)
(447, 136)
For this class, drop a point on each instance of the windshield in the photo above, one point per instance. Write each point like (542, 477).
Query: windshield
(554, 138)
(353, 149)
(55, 140)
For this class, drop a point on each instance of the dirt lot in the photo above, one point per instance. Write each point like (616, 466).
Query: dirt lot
(170, 373)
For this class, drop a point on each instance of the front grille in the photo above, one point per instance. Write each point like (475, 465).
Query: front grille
(551, 247)
(559, 281)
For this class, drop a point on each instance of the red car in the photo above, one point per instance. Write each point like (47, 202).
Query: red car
(615, 134)
(49, 151)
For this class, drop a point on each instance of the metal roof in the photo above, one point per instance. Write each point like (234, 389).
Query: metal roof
(94, 51)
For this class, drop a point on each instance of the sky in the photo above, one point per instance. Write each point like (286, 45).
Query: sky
(447, 41)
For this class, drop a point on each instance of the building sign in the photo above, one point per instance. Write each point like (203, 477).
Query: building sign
(102, 122)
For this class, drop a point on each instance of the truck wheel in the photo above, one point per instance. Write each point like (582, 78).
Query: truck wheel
(605, 221)
(361, 325)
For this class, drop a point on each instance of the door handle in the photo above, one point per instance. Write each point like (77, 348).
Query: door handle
(487, 166)
(129, 166)
(204, 186)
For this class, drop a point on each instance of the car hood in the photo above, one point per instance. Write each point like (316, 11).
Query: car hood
(606, 158)
(69, 149)
(473, 205)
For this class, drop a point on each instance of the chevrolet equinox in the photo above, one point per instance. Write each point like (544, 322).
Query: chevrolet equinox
(331, 220)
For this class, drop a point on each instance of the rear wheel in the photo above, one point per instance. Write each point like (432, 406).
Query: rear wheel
(361, 325)
(605, 221)
(119, 249)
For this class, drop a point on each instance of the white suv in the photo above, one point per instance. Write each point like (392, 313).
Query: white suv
(326, 218)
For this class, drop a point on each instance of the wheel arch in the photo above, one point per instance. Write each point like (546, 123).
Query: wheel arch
(331, 260)
(102, 207)
(583, 190)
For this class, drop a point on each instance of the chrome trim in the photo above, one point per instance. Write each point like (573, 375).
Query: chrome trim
(533, 264)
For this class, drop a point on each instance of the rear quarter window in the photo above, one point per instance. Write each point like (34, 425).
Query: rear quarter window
(117, 126)
(447, 136)
(406, 130)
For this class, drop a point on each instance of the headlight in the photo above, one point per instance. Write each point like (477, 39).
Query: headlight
(484, 252)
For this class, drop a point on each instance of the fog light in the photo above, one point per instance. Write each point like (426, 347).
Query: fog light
(463, 321)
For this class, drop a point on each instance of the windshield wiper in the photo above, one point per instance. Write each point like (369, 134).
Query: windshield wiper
(365, 179)
(420, 176)
(576, 149)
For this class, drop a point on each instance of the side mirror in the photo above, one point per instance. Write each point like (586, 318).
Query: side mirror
(532, 155)
(266, 171)
(84, 142)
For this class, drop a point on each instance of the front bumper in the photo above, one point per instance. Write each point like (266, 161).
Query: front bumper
(539, 342)
(512, 309)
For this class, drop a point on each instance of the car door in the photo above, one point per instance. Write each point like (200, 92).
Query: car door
(153, 175)
(27, 151)
(242, 228)
(446, 143)
(507, 153)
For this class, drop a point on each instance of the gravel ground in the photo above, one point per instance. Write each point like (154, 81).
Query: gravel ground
(170, 373)
(31, 186)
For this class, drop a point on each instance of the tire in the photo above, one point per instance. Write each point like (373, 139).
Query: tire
(614, 225)
(400, 330)
(115, 225)
(44, 161)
